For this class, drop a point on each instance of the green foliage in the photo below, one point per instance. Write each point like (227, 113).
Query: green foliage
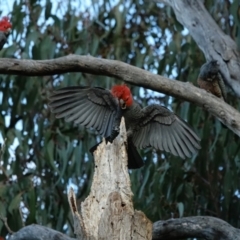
(43, 156)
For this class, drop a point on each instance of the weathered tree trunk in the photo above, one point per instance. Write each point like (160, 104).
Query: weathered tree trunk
(209, 37)
(108, 213)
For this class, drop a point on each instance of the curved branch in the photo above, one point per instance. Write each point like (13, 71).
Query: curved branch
(209, 37)
(198, 227)
(38, 232)
(87, 64)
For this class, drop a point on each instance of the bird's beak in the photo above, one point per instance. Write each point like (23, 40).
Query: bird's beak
(122, 104)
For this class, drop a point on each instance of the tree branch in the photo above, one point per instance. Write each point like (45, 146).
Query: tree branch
(4, 219)
(130, 74)
(195, 227)
(209, 37)
(38, 232)
(172, 229)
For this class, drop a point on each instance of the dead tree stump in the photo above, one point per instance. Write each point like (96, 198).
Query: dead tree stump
(108, 213)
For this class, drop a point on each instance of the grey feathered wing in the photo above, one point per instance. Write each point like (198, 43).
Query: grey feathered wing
(91, 107)
(165, 131)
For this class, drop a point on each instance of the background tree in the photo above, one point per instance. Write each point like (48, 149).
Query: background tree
(44, 156)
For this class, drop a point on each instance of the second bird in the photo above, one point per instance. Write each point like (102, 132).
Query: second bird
(210, 79)
(152, 126)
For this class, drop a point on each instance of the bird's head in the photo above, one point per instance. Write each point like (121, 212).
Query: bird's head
(5, 25)
(209, 70)
(123, 93)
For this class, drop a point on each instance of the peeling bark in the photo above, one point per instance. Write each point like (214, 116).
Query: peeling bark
(108, 213)
(130, 74)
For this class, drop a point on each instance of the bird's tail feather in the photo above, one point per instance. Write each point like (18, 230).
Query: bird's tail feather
(134, 159)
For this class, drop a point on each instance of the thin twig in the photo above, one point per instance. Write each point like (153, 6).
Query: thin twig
(4, 219)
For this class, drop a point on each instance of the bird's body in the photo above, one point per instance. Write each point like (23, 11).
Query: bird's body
(132, 116)
(211, 79)
(153, 126)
